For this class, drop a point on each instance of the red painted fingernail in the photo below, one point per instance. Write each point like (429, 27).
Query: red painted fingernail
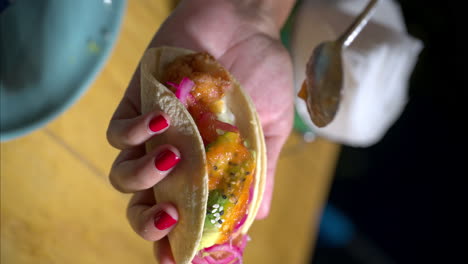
(163, 220)
(166, 160)
(158, 123)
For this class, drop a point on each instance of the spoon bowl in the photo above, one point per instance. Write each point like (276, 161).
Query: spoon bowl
(324, 72)
(324, 82)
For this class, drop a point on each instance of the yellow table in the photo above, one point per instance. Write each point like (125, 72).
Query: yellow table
(58, 207)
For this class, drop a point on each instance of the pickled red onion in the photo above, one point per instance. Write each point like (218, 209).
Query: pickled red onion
(205, 256)
(183, 89)
(199, 260)
(225, 126)
(240, 223)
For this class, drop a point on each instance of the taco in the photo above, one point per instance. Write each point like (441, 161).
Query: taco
(218, 185)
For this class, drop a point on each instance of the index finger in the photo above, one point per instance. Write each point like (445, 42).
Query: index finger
(130, 105)
(125, 127)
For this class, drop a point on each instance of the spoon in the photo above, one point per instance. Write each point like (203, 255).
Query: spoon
(323, 86)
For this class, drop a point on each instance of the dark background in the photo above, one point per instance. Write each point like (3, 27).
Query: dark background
(403, 196)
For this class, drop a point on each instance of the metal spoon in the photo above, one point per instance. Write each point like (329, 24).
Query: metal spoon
(324, 71)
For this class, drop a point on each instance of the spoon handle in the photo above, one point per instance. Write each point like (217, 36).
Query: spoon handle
(358, 24)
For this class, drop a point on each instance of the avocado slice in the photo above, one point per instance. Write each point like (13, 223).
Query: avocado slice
(215, 210)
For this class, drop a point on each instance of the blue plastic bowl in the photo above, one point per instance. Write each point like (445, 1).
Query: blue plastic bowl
(50, 52)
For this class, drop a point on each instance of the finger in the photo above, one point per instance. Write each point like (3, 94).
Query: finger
(126, 133)
(130, 105)
(273, 144)
(162, 252)
(151, 222)
(131, 175)
(265, 205)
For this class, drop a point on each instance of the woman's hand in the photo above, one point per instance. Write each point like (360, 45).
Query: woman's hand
(244, 37)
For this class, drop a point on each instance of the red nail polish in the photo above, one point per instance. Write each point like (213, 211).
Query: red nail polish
(166, 160)
(158, 123)
(163, 220)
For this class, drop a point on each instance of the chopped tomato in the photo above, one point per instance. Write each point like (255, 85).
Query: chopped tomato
(206, 126)
(207, 121)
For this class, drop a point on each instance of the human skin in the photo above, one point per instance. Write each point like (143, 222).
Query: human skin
(243, 35)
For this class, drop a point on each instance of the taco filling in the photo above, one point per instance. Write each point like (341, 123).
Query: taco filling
(200, 84)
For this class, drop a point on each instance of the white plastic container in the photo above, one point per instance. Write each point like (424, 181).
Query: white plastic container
(377, 66)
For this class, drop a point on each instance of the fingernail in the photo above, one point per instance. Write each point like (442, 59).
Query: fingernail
(158, 123)
(163, 220)
(166, 160)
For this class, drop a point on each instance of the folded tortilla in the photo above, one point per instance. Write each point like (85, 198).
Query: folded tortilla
(187, 185)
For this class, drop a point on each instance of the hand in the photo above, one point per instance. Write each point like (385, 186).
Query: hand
(245, 41)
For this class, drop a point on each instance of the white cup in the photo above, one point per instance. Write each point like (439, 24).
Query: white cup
(377, 66)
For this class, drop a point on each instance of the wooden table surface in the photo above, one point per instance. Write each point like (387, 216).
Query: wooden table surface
(57, 205)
